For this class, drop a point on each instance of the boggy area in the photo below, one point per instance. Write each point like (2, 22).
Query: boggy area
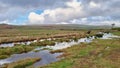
(100, 53)
(64, 45)
(7, 51)
(9, 36)
(40, 58)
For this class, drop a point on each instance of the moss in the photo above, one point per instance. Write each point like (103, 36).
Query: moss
(56, 51)
(23, 63)
(3, 56)
(5, 52)
(43, 43)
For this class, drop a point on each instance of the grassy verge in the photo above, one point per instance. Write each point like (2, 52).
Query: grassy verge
(43, 43)
(22, 63)
(16, 35)
(98, 54)
(7, 52)
(116, 33)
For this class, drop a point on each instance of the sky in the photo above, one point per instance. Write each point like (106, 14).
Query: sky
(37, 12)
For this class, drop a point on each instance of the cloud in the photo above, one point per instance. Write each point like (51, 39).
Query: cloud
(61, 11)
(94, 5)
(35, 18)
(59, 15)
(76, 12)
(33, 4)
(5, 22)
(12, 9)
(97, 20)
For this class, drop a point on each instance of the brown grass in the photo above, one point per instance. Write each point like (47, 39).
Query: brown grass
(23, 63)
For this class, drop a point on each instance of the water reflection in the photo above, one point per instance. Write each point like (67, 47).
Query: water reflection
(45, 55)
(105, 36)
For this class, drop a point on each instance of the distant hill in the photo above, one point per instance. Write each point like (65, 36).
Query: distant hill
(68, 26)
(53, 26)
(6, 26)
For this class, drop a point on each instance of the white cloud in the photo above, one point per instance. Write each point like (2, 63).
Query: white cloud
(58, 15)
(94, 5)
(35, 18)
(74, 12)
(83, 19)
(106, 22)
(63, 23)
(96, 21)
(4, 22)
(73, 4)
(58, 11)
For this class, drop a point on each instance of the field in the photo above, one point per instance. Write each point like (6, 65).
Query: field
(98, 54)
(101, 53)
(10, 33)
(14, 35)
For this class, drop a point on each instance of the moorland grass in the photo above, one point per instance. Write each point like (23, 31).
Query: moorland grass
(17, 35)
(116, 33)
(6, 52)
(19, 48)
(98, 54)
(23, 63)
(43, 43)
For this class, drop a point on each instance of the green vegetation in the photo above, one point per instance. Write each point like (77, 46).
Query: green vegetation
(4, 56)
(17, 35)
(6, 52)
(118, 29)
(99, 35)
(43, 43)
(62, 40)
(29, 33)
(56, 51)
(98, 54)
(116, 33)
(22, 63)
(18, 48)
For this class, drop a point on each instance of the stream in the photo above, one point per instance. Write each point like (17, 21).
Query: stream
(45, 55)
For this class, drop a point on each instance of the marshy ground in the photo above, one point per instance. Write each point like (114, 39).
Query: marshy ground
(101, 53)
(98, 54)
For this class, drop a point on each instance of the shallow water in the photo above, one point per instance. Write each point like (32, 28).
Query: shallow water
(69, 44)
(105, 36)
(45, 55)
(24, 43)
(109, 36)
(7, 45)
(13, 44)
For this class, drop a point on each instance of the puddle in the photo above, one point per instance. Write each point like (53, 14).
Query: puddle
(45, 55)
(109, 36)
(24, 43)
(69, 44)
(13, 44)
(7, 45)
